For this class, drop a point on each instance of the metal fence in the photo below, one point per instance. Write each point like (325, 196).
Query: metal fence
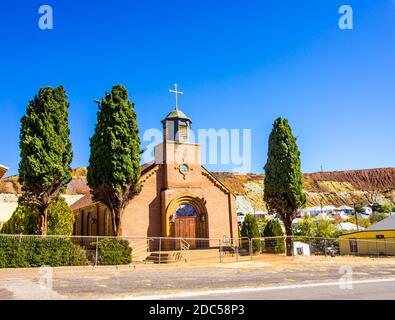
(175, 250)
(308, 246)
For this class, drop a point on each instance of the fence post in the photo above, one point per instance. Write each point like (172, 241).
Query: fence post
(325, 247)
(237, 249)
(285, 244)
(97, 250)
(160, 248)
(220, 250)
(250, 245)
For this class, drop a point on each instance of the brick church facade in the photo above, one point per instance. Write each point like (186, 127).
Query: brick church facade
(179, 197)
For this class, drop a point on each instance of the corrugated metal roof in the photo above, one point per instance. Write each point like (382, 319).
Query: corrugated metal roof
(386, 224)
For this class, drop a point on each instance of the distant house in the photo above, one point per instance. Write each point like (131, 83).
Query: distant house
(260, 214)
(341, 215)
(345, 210)
(348, 226)
(367, 210)
(363, 215)
(317, 211)
(8, 204)
(378, 239)
(240, 217)
(257, 214)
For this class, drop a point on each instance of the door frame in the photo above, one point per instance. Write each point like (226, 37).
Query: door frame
(198, 204)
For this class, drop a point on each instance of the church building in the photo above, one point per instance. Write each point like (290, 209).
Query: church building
(179, 197)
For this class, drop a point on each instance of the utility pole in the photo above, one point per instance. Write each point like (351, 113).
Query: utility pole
(322, 211)
(356, 216)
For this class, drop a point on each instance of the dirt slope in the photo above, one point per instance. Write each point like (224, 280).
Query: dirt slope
(326, 188)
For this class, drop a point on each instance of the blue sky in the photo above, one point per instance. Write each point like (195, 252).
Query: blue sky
(240, 63)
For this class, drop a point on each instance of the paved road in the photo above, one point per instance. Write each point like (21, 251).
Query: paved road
(383, 289)
(150, 280)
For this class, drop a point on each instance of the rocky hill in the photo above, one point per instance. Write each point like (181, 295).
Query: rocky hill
(77, 185)
(326, 188)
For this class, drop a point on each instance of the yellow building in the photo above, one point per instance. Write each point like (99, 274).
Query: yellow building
(379, 239)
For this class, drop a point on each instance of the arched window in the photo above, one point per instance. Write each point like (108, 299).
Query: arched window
(185, 210)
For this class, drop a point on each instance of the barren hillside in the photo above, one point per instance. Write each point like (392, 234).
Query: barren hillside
(326, 188)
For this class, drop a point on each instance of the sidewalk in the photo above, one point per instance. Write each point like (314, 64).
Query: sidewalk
(108, 282)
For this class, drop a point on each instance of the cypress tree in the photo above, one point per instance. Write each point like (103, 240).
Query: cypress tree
(283, 185)
(114, 164)
(44, 168)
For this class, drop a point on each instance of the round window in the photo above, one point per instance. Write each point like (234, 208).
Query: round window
(184, 169)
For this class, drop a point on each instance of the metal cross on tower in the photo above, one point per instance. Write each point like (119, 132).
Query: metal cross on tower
(176, 93)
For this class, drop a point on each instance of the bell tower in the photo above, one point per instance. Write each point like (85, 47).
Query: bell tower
(176, 127)
(179, 155)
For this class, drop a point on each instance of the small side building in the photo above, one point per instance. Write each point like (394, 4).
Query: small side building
(3, 170)
(378, 239)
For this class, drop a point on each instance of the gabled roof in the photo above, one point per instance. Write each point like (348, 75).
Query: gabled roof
(386, 224)
(218, 183)
(87, 199)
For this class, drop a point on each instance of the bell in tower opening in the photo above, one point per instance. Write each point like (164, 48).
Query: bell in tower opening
(176, 126)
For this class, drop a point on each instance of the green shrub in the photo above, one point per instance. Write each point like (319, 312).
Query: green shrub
(250, 229)
(384, 208)
(113, 252)
(25, 219)
(326, 229)
(21, 252)
(273, 229)
(306, 227)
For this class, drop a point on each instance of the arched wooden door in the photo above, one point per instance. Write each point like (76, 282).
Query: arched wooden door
(189, 223)
(185, 227)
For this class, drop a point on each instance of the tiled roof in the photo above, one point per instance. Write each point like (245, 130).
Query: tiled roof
(85, 201)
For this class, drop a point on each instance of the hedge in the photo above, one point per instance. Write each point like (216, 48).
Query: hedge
(23, 252)
(113, 252)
